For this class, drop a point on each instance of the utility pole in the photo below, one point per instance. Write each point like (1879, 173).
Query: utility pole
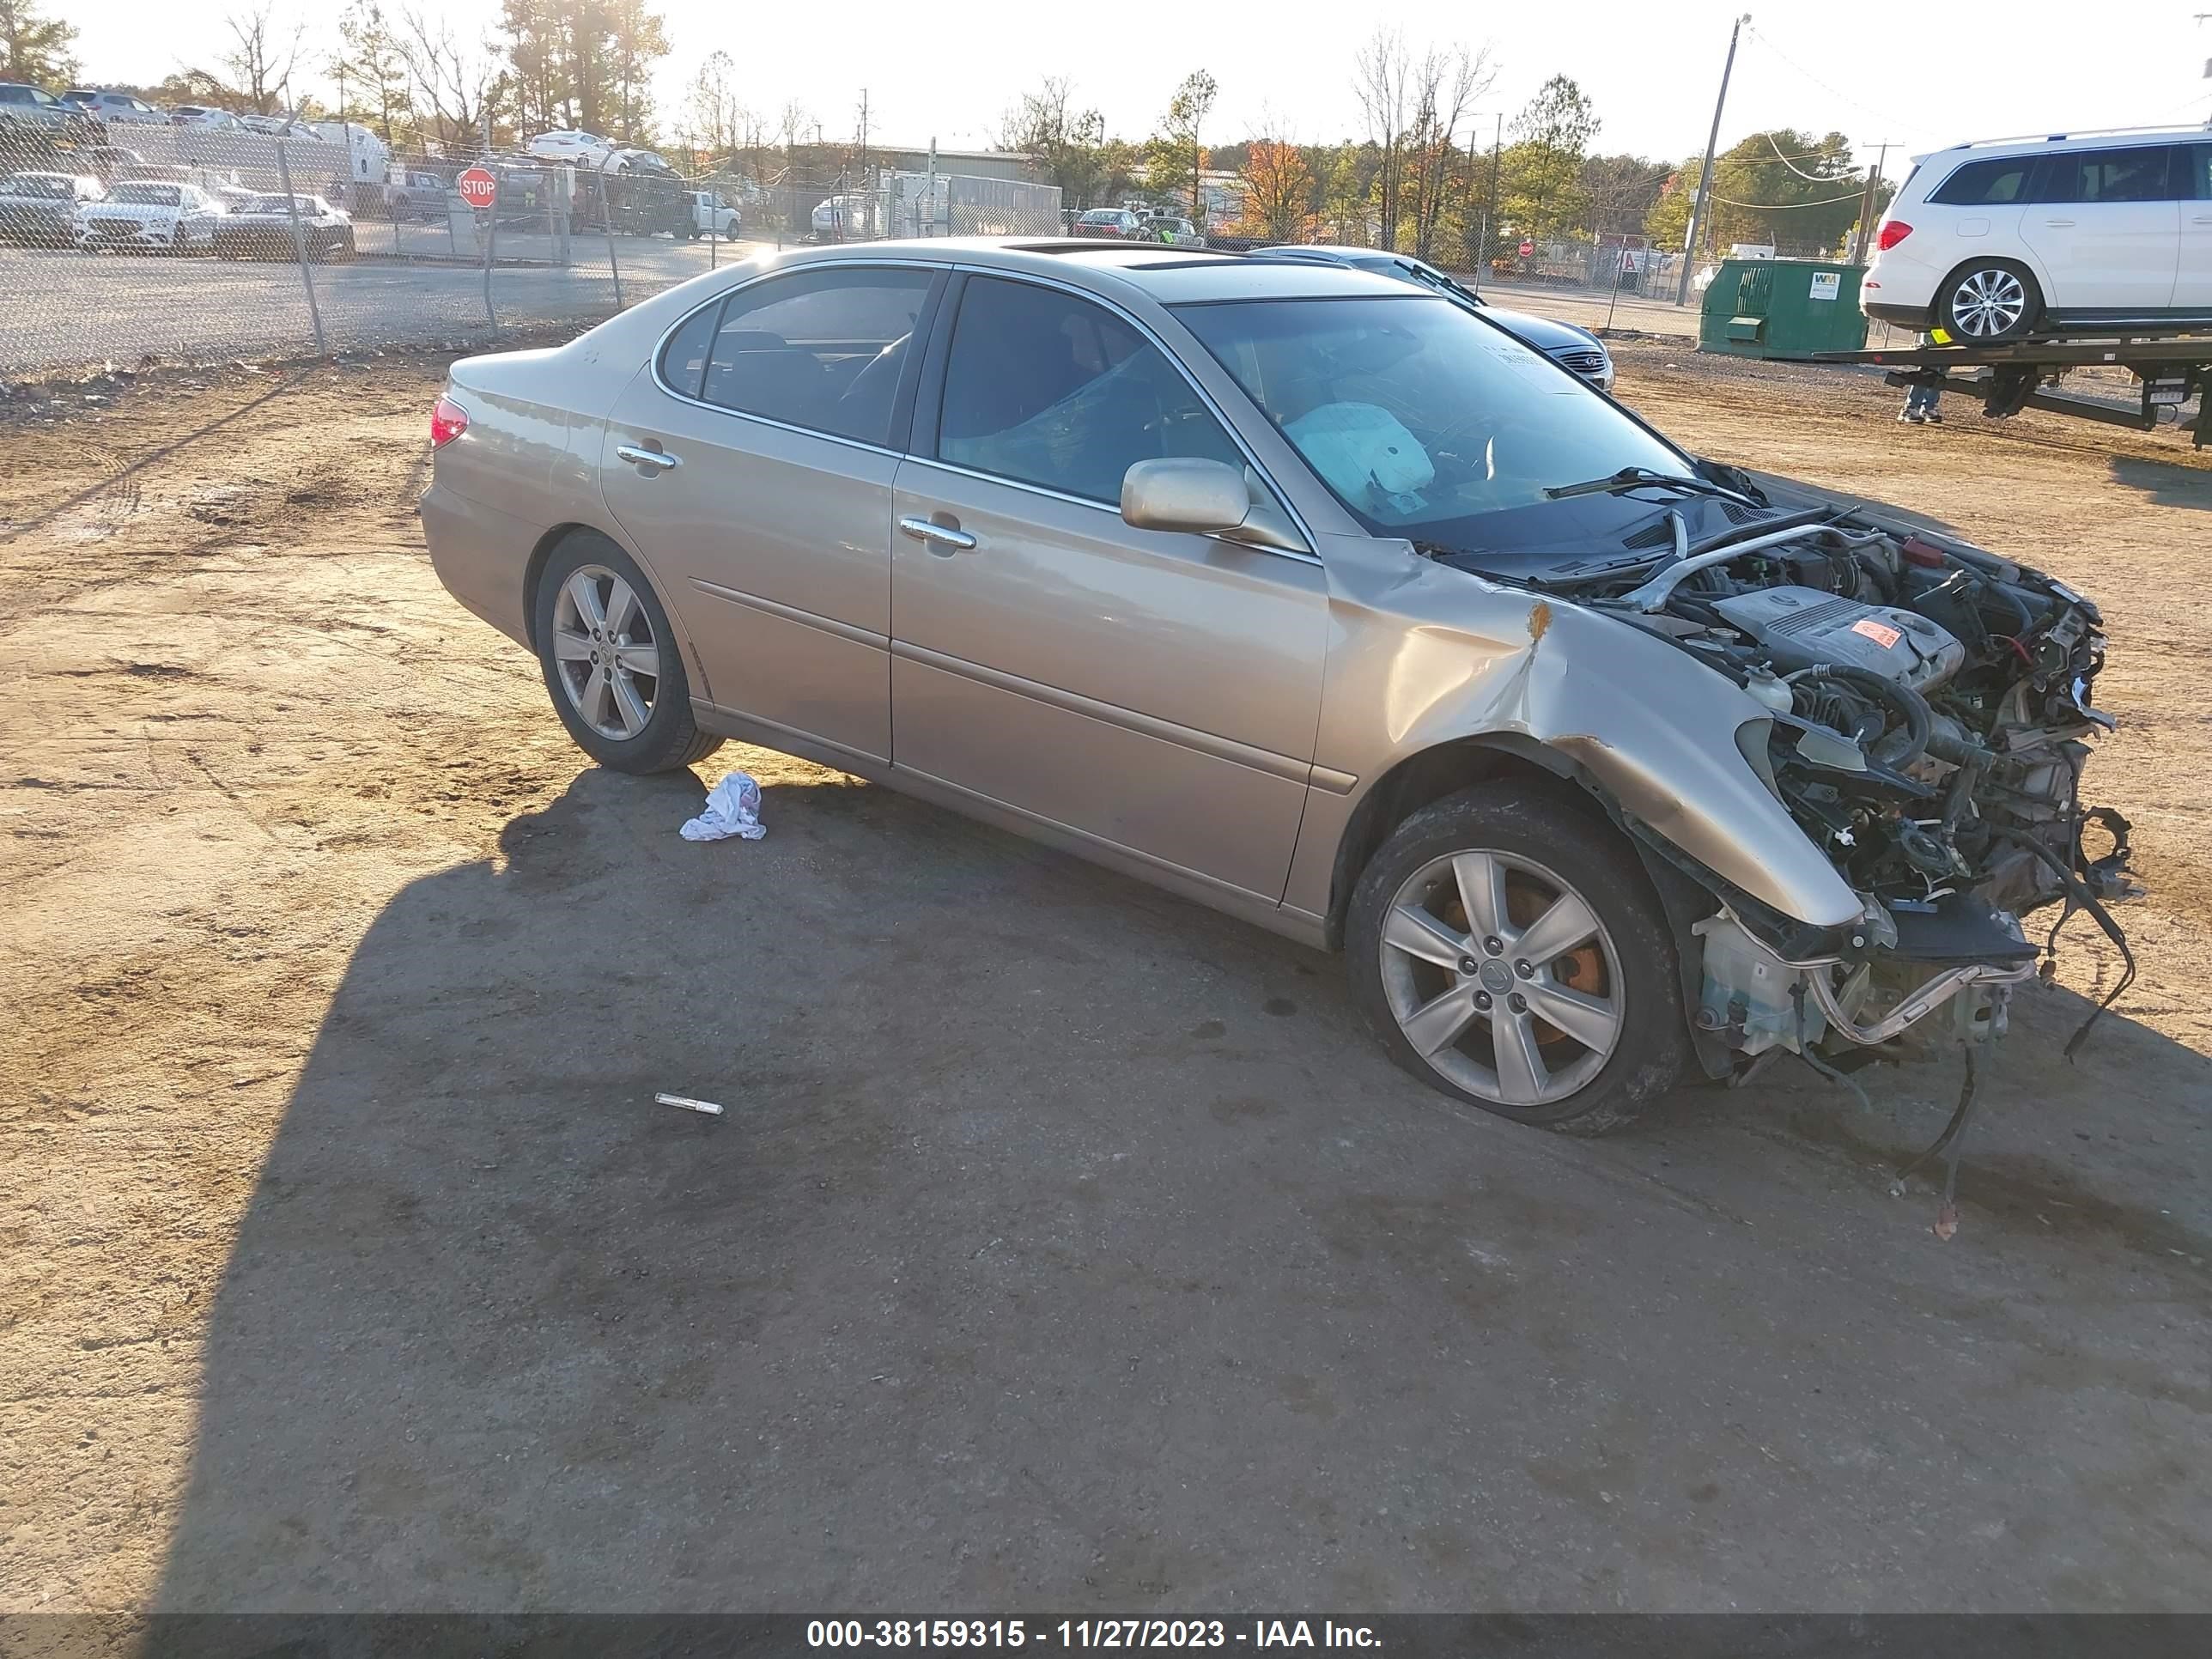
(1705, 174)
(864, 138)
(1866, 208)
(1489, 219)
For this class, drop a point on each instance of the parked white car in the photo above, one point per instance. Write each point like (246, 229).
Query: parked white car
(574, 146)
(149, 215)
(711, 215)
(2001, 241)
(844, 216)
(113, 106)
(205, 117)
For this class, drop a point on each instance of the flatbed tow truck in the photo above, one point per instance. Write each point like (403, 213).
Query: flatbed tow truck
(2011, 378)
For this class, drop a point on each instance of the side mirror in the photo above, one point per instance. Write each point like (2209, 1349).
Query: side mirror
(1206, 498)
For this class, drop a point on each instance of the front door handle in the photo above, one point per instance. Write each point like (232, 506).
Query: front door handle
(2060, 224)
(938, 535)
(658, 459)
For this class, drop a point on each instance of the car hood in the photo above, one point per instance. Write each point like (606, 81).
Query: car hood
(1542, 332)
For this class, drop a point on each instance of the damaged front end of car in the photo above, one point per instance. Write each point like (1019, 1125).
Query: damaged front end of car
(1927, 716)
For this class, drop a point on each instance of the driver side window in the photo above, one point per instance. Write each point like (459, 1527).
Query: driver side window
(1045, 388)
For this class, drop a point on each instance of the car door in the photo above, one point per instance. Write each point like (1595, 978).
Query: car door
(2107, 226)
(751, 465)
(2192, 286)
(1152, 690)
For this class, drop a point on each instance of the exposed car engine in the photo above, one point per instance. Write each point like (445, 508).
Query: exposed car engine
(1929, 715)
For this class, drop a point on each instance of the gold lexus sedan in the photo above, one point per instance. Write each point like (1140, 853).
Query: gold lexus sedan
(1317, 598)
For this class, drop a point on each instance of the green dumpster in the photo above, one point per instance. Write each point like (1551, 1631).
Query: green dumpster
(1782, 308)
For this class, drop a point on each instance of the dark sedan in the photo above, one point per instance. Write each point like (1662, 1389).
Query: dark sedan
(263, 229)
(1571, 347)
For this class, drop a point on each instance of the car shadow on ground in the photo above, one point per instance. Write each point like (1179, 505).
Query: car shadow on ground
(2167, 483)
(1065, 1245)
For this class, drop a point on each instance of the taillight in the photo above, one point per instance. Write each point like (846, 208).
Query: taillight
(1892, 232)
(448, 420)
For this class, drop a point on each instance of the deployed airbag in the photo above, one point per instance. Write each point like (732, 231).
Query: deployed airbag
(1364, 454)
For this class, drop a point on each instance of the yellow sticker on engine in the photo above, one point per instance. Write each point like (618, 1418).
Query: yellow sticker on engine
(1880, 633)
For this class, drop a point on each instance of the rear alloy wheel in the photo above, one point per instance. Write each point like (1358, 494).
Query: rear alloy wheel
(611, 663)
(1510, 951)
(1988, 305)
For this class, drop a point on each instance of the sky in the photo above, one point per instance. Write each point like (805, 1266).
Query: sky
(1870, 69)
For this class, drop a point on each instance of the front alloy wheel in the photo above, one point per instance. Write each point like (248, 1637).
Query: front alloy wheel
(1507, 948)
(1501, 976)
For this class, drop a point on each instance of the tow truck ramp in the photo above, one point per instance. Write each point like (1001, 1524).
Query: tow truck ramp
(2010, 378)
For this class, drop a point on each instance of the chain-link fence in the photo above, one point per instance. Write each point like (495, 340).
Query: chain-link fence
(151, 244)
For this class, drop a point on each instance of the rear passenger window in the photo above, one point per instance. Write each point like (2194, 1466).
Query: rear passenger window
(2111, 175)
(1048, 389)
(821, 350)
(1986, 184)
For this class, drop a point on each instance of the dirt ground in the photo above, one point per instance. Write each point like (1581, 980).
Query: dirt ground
(1065, 1245)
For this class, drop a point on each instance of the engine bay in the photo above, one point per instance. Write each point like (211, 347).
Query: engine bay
(1929, 716)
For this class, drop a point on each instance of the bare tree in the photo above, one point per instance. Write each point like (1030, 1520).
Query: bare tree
(1445, 87)
(1382, 72)
(714, 121)
(1065, 144)
(260, 62)
(455, 81)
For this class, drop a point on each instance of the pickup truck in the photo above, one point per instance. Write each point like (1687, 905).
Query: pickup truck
(710, 215)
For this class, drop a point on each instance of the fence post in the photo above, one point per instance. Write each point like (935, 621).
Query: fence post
(299, 247)
(607, 218)
(491, 242)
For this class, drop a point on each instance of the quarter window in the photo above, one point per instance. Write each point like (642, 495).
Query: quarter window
(823, 349)
(1048, 389)
(2109, 175)
(1991, 183)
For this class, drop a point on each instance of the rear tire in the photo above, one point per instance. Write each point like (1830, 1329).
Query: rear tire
(610, 661)
(1435, 941)
(1989, 302)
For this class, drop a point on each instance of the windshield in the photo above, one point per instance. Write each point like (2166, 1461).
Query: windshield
(147, 195)
(48, 190)
(1417, 414)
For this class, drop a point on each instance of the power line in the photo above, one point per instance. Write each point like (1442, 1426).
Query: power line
(1776, 207)
(1863, 109)
(1816, 177)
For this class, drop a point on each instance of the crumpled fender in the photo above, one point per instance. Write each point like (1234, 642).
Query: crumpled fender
(1421, 654)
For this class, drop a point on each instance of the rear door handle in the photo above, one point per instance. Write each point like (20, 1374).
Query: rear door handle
(658, 459)
(2060, 224)
(943, 536)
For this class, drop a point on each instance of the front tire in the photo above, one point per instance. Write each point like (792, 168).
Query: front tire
(610, 661)
(1509, 950)
(1989, 302)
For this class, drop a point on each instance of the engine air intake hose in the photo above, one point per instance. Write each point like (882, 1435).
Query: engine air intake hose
(1897, 750)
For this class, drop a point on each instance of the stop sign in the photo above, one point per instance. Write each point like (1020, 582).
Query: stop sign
(1528, 249)
(477, 187)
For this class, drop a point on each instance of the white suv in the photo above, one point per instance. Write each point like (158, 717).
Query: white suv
(1996, 242)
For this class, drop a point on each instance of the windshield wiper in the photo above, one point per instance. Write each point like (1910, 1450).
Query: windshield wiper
(1642, 477)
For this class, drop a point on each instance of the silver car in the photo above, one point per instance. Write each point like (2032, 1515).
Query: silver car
(1321, 599)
